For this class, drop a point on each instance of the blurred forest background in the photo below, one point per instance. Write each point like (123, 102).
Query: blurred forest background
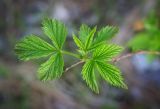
(19, 86)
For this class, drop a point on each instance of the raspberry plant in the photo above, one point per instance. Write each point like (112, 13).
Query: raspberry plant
(94, 50)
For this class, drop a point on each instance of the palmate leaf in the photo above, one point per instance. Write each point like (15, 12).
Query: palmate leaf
(106, 52)
(108, 72)
(56, 31)
(32, 47)
(51, 69)
(89, 75)
(111, 74)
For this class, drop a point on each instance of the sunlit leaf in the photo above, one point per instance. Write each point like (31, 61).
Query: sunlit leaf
(56, 31)
(106, 52)
(105, 34)
(89, 39)
(51, 69)
(84, 32)
(111, 74)
(78, 42)
(89, 75)
(32, 47)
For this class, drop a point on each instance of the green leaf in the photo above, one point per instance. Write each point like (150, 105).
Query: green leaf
(111, 74)
(85, 37)
(89, 39)
(56, 31)
(151, 22)
(51, 69)
(89, 76)
(84, 32)
(105, 34)
(78, 42)
(149, 38)
(32, 47)
(140, 42)
(106, 52)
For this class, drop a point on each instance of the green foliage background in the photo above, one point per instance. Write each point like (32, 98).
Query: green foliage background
(149, 38)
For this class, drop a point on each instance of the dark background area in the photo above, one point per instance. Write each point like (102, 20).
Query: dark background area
(19, 86)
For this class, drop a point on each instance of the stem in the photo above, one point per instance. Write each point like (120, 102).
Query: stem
(71, 54)
(132, 54)
(114, 59)
(74, 65)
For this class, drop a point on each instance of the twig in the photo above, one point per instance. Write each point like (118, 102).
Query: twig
(74, 65)
(118, 58)
(136, 53)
